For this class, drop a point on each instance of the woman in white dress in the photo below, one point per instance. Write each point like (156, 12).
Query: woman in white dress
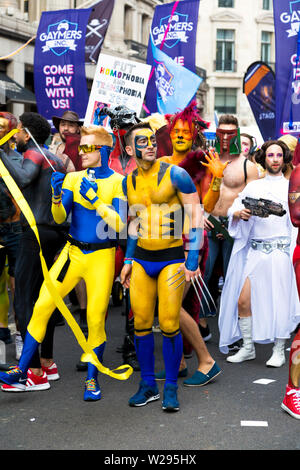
(259, 301)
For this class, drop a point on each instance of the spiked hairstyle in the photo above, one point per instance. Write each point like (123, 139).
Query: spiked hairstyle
(191, 115)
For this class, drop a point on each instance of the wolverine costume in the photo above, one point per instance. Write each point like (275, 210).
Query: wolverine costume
(156, 253)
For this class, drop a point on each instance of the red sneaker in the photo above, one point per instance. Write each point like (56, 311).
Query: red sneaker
(33, 383)
(51, 372)
(291, 402)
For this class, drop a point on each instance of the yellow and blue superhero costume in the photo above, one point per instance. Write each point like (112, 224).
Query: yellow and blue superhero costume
(98, 214)
(157, 253)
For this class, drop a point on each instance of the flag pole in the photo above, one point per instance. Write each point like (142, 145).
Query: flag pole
(28, 132)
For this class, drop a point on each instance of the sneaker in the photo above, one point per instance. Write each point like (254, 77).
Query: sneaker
(92, 391)
(291, 402)
(33, 383)
(51, 372)
(14, 377)
(19, 345)
(144, 395)
(170, 402)
(205, 333)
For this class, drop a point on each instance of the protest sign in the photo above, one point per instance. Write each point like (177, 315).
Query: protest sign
(117, 82)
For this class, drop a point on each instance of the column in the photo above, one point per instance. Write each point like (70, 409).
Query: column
(115, 33)
(16, 71)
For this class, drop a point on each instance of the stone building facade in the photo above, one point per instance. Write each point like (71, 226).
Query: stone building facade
(231, 35)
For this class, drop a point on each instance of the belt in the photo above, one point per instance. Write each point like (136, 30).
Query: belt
(267, 246)
(167, 254)
(83, 246)
(91, 246)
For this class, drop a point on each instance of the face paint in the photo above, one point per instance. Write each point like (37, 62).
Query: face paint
(228, 141)
(4, 127)
(182, 136)
(142, 140)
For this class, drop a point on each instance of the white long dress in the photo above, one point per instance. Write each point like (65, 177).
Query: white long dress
(274, 297)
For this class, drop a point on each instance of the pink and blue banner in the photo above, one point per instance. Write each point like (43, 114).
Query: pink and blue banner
(259, 87)
(173, 31)
(59, 63)
(287, 40)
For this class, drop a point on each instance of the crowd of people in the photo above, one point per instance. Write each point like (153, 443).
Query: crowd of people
(149, 202)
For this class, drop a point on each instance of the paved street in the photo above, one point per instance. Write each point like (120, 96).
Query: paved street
(210, 417)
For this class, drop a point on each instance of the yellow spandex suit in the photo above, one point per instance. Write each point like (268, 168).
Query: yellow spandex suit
(96, 265)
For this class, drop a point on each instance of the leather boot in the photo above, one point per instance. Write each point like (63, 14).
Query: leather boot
(247, 351)
(278, 358)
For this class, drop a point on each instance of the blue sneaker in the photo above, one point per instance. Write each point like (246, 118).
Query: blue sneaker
(92, 391)
(14, 377)
(170, 402)
(199, 379)
(144, 395)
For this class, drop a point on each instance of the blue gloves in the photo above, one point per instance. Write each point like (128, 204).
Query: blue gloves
(88, 190)
(57, 180)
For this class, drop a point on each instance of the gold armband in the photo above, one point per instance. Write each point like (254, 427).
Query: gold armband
(216, 184)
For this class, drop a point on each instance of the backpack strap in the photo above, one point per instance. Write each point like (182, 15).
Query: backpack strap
(245, 170)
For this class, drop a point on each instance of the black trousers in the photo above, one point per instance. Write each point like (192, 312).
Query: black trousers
(29, 278)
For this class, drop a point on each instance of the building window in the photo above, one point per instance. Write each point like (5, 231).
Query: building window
(226, 4)
(146, 23)
(225, 51)
(26, 6)
(266, 4)
(225, 100)
(127, 22)
(266, 46)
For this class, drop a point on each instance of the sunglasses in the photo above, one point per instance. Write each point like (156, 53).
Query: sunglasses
(89, 148)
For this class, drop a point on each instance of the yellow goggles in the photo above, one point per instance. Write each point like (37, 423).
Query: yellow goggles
(89, 148)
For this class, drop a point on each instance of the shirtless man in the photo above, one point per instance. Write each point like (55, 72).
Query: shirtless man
(223, 190)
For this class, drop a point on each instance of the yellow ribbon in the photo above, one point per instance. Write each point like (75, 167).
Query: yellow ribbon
(89, 355)
(18, 50)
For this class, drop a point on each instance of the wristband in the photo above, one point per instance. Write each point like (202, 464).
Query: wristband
(130, 248)
(195, 238)
(216, 184)
(56, 199)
